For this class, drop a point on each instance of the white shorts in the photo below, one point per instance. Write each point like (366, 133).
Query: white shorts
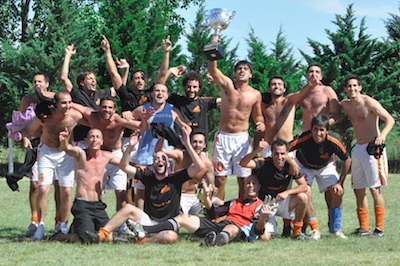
(35, 172)
(283, 211)
(326, 176)
(146, 220)
(228, 150)
(267, 152)
(190, 204)
(55, 165)
(114, 177)
(366, 171)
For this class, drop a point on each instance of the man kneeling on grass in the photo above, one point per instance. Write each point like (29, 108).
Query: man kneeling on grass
(245, 218)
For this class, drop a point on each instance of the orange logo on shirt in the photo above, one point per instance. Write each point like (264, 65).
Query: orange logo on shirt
(196, 109)
(325, 156)
(142, 100)
(165, 189)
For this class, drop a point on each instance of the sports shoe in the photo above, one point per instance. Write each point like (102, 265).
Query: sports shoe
(302, 237)
(31, 230)
(93, 237)
(57, 226)
(377, 232)
(338, 234)
(136, 229)
(121, 238)
(361, 232)
(315, 234)
(221, 239)
(39, 234)
(209, 240)
(286, 232)
(58, 236)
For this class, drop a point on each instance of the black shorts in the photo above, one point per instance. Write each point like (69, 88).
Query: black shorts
(88, 216)
(207, 226)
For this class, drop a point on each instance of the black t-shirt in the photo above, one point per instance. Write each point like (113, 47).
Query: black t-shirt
(194, 111)
(93, 101)
(272, 180)
(162, 197)
(130, 100)
(316, 156)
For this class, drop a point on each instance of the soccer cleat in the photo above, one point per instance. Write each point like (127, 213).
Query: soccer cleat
(136, 229)
(338, 234)
(361, 232)
(31, 230)
(221, 239)
(287, 229)
(377, 232)
(58, 236)
(301, 237)
(93, 237)
(209, 240)
(39, 234)
(315, 234)
(121, 238)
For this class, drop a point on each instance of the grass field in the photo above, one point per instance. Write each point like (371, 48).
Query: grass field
(17, 250)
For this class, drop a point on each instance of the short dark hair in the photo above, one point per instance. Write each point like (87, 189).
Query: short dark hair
(133, 72)
(314, 64)
(81, 77)
(244, 62)
(44, 74)
(108, 98)
(57, 96)
(193, 75)
(321, 120)
(277, 77)
(352, 76)
(279, 142)
(198, 131)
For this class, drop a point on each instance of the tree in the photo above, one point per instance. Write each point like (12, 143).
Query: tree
(352, 53)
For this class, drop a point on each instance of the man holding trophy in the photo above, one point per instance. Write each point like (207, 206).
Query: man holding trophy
(238, 101)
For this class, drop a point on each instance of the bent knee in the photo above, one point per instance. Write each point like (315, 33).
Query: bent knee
(169, 237)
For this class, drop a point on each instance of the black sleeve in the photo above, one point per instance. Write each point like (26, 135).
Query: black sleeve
(218, 211)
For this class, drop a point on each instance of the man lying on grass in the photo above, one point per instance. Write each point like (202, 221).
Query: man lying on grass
(239, 224)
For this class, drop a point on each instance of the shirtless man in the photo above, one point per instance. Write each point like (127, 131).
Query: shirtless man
(232, 141)
(320, 100)
(190, 204)
(279, 113)
(88, 209)
(52, 161)
(112, 126)
(368, 171)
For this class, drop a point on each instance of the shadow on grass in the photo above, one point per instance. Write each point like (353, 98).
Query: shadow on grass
(13, 235)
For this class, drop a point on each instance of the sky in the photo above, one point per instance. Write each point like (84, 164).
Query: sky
(299, 20)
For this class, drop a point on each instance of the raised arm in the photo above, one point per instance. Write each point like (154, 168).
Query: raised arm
(162, 75)
(196, 170)
(66, 82)
(297, 96)
(175, 154)
(74, 151)
(123, 64)
(112, 68)
(125, 164)
(219, 78)
(84, 110)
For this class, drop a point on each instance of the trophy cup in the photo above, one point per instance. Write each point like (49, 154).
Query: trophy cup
(219, 19)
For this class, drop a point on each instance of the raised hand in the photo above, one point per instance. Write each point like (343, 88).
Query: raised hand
(69, 50)
(167, 44)
(134, 138)
(122, 63)
(64, 134)
(105, 44)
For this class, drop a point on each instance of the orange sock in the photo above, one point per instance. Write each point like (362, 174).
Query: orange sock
(34, 218)
(379, 216)
(140, 241)
(103, 233)
(313, 224)
(287, 222)
(363, 218)
(297, 227)
(58, 217)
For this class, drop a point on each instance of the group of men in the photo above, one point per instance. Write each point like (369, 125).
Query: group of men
(108, 149)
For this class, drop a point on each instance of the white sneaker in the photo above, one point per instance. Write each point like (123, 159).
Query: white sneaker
(338, 234)
(39, 234)
(314, 234)
(31, 229)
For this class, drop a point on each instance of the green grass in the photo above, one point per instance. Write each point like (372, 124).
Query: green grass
(16, 250)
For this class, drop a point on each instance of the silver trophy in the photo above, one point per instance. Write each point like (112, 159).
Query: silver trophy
(219, 19)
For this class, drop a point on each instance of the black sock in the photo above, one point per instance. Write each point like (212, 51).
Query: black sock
(170, 224)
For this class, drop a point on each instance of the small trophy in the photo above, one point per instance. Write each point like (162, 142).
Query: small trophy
(219, 19)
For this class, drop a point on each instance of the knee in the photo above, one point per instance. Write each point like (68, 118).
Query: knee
(308, 191)
(303, 197)
(34, 186)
